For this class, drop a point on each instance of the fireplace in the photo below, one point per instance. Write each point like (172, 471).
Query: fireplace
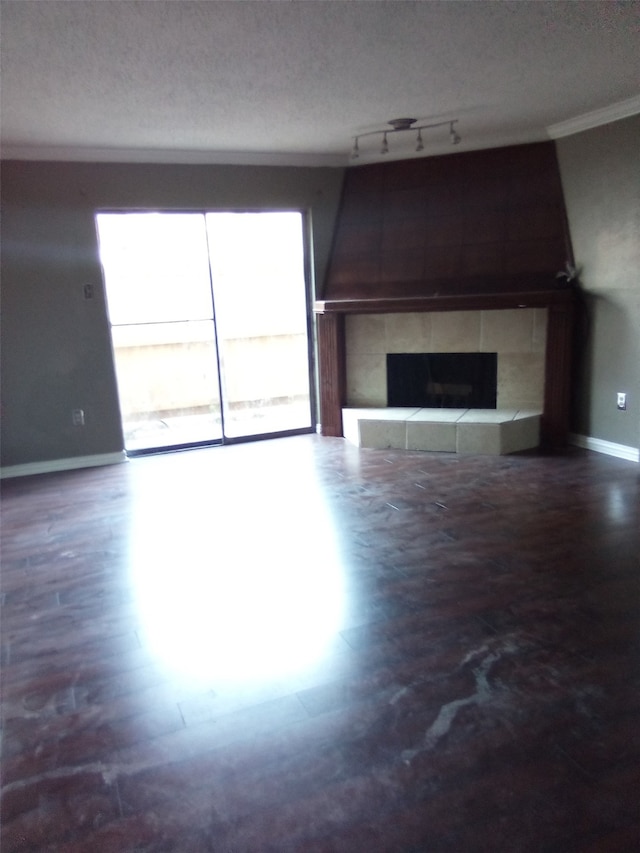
(479, 234)
(500, 349)
(352, 365)
(444, 380)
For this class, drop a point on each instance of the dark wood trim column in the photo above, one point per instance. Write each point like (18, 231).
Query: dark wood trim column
(557, 392)
(332, 371)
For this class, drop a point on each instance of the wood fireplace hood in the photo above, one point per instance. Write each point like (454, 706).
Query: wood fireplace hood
(471, 231)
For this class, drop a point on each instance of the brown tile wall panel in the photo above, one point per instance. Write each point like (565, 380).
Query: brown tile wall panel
(485, 180)
(444, 195)
(543, 222)
(482, 259)
(401, 266)
(404, 174)
(359, 269)
(365, 178)
(443, 264)
(480, 214)
(402, 236)
(362, 208)
(356, 243)
(534, 255)
(444, 230)
(405, 204)
(534, 175)
(483, 225)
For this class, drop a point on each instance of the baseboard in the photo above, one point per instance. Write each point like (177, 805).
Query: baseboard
(51, 465)
(622, 451)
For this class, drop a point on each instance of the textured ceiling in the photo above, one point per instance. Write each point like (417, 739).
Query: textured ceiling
(292, 82)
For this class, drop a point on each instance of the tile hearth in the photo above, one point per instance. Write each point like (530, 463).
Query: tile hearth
(485, 431)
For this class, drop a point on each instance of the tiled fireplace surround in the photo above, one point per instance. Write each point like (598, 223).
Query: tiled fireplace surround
(531, 333)
(517, 335)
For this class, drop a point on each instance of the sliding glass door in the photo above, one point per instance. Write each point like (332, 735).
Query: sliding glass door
(257, 269)
(209, 323)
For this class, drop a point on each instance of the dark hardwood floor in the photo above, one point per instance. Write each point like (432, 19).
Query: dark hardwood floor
(296, 645)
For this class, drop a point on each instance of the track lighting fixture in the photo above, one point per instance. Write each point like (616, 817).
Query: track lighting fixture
(399, 125)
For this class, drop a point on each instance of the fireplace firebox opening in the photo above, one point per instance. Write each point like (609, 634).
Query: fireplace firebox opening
(458, 380)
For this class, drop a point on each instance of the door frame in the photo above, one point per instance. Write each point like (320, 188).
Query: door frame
(310, 326)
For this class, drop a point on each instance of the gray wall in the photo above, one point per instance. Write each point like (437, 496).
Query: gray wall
(600, 171)
(56, 348)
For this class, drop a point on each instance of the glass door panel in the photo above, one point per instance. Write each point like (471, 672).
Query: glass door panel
(167, 374)
(157, 278)
(257, 270)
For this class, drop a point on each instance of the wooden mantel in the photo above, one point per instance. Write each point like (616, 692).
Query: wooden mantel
(560, 304)
(461, 302)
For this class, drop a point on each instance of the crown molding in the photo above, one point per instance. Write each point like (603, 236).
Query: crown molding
(78, 154)
(596, 118)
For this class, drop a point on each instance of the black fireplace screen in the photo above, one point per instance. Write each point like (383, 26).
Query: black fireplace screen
(457, 380)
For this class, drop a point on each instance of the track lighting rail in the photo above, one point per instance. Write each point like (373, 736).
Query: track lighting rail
(401, 125)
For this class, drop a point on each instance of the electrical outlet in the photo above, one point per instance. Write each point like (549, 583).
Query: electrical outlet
(622, 400)
(77, 417)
